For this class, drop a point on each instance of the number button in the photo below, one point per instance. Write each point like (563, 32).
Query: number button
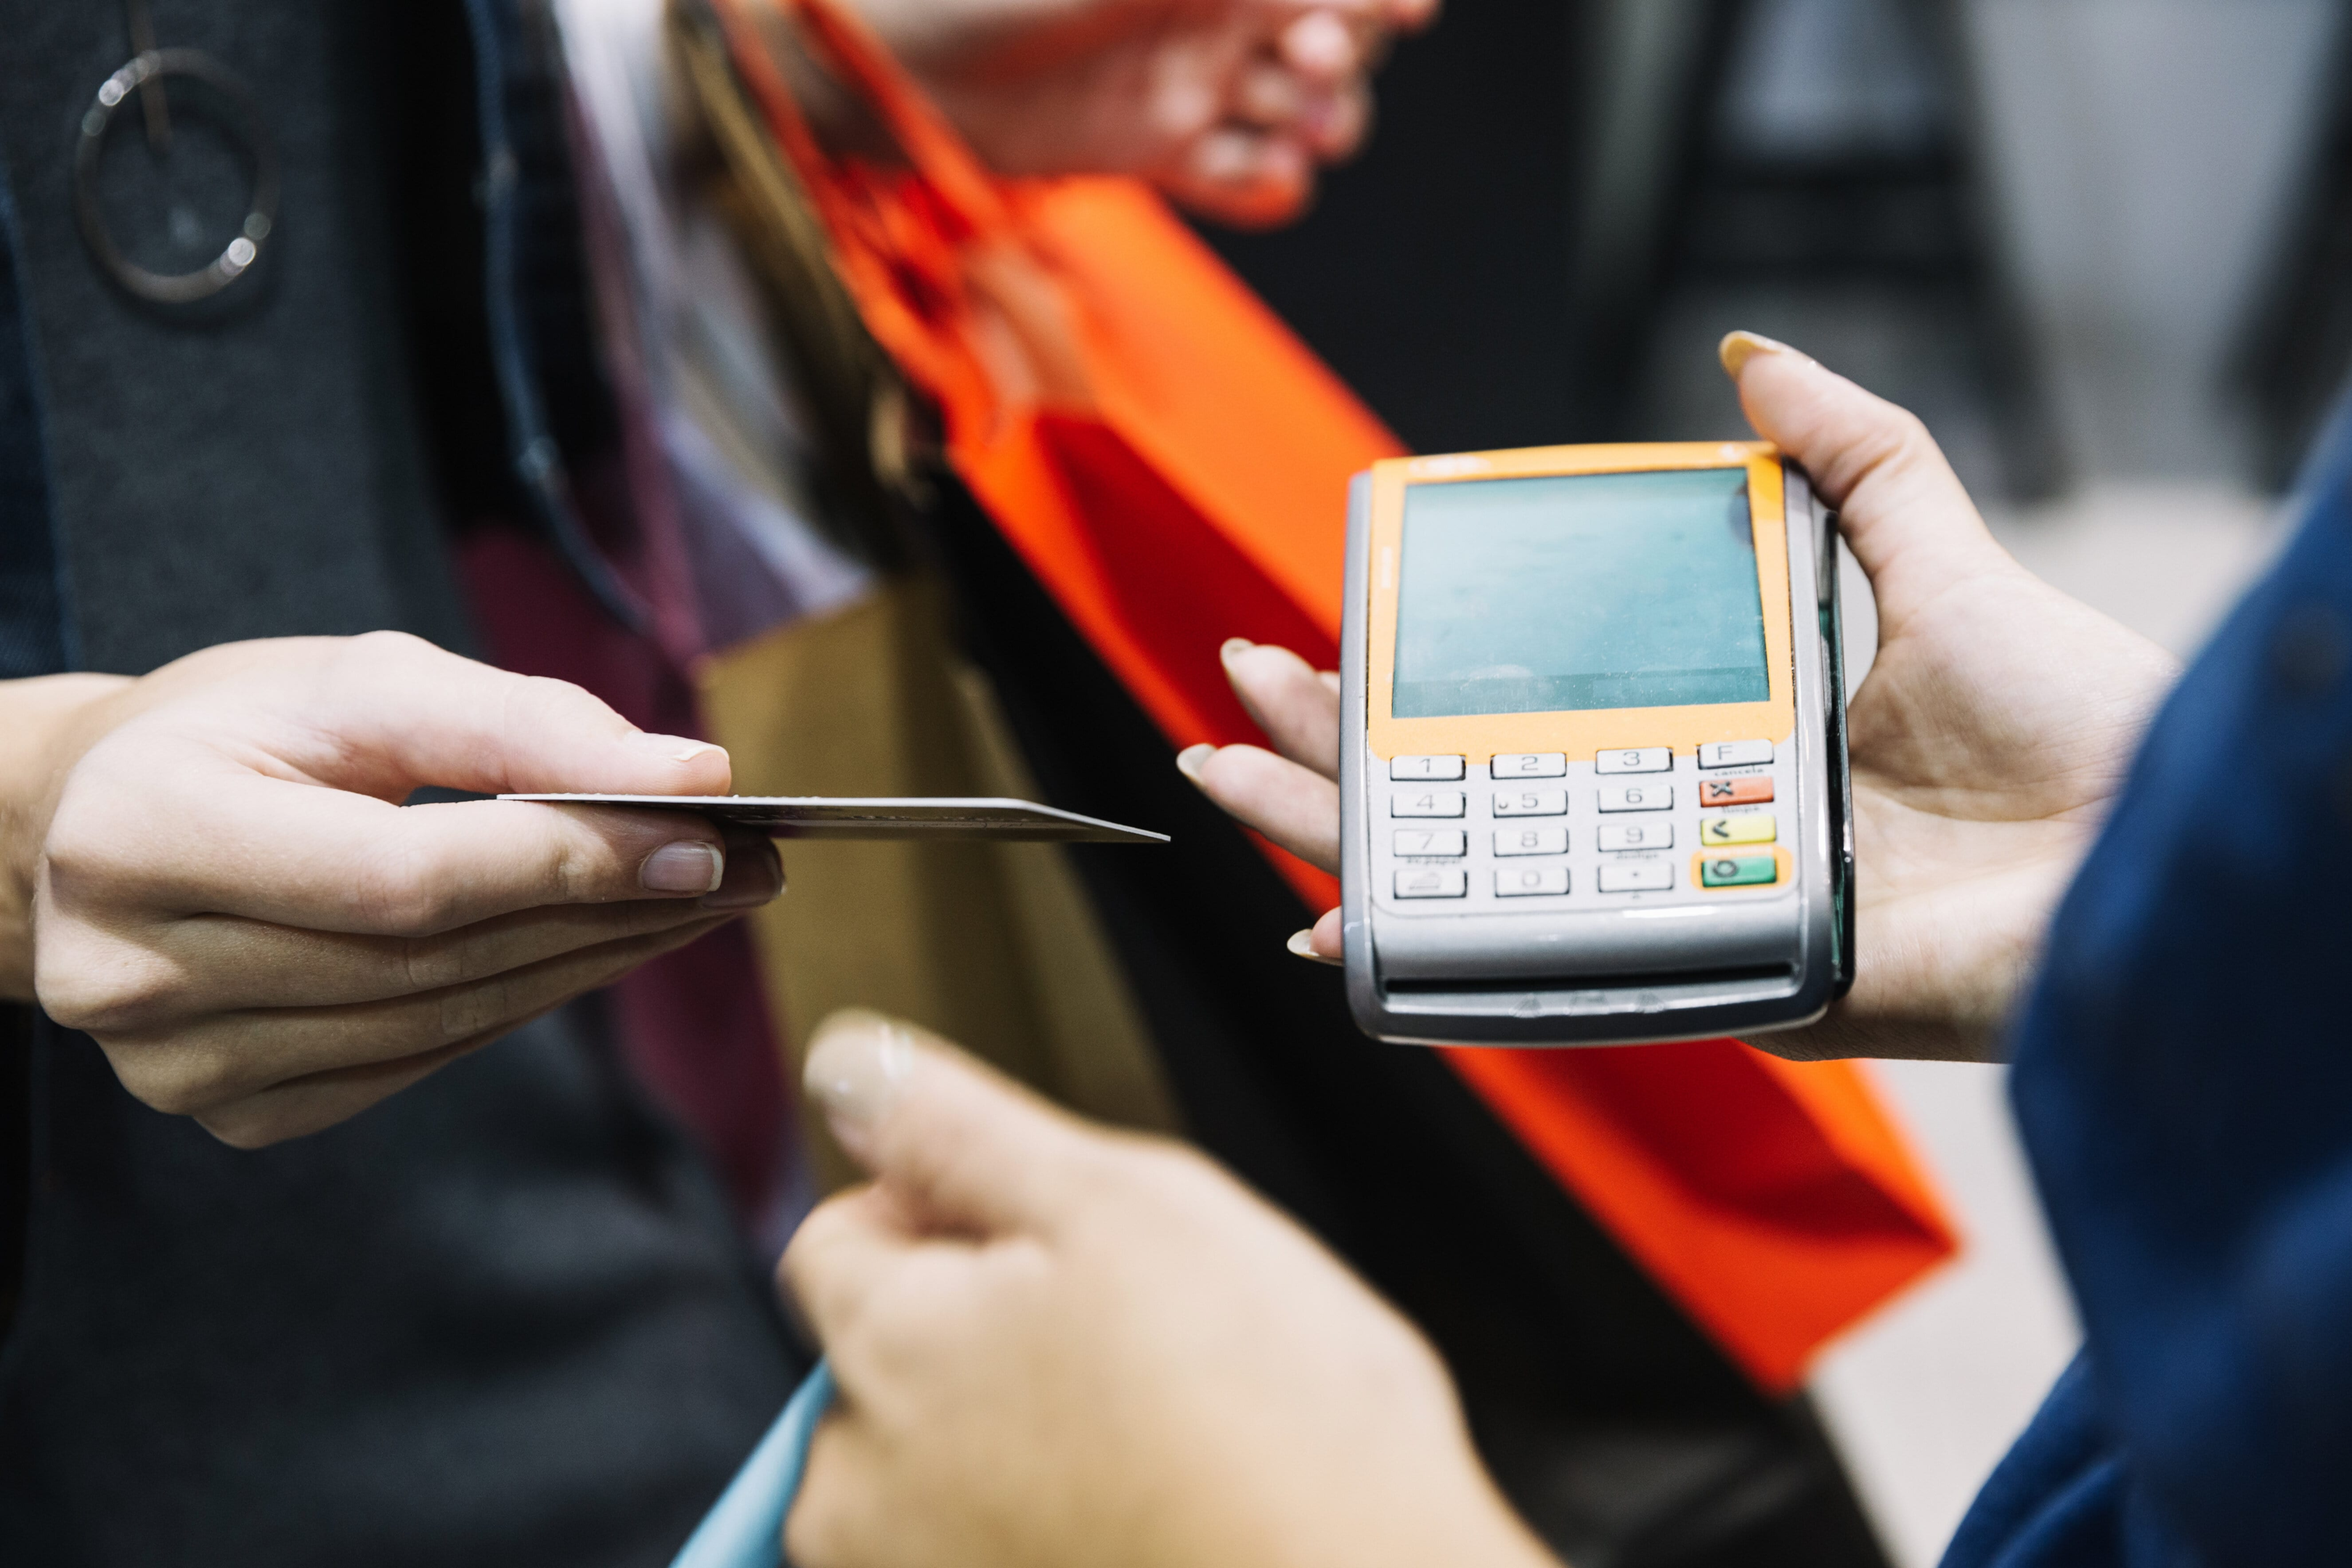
(1648, 760)
(1733, 791)
(1637, 876)
(1531, 881)
(1761, 828)
(1428, 803)
(1431, 769)
(1532, 841)
(1638, 836)
(1734, 753)
(1446, 842)
(1532, 803)
(1432, 882)
(1529, 765)
(1638, 798)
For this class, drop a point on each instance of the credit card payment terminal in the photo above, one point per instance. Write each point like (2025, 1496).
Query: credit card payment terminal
(1593, 783)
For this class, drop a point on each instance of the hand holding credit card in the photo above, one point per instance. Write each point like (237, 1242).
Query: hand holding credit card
(880, 817)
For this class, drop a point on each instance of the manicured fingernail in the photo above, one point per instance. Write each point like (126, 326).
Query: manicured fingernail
(1737, 348)
(1302, 943)
(671, 747)
(758, 878)
(1233, 646)
(1192, 759)
(683, 867)
(857, 1064)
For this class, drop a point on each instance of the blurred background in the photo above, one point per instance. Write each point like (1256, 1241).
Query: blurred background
(2103, 247)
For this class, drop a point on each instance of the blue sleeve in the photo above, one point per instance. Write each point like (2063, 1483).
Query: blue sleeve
(2183, 1082)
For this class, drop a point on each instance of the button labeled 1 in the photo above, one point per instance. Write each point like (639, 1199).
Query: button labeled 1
(1430, 768)
(1638, 798)
(1428, 803)
(1531, 764)
(1532, 841)
(1646, 759)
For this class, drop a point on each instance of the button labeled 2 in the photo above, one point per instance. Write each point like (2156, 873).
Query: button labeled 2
(1738, 870)
(1733, 791)
(1529, 765)
(1762, 828)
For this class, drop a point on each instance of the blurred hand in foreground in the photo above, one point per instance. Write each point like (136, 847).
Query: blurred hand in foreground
(1994, 727)
(210, 871)
(1229, 106)
(1057, 1344)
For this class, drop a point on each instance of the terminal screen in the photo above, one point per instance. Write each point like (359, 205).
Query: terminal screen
(1587, 590)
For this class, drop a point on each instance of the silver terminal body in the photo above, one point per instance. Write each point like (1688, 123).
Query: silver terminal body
(1612, 945)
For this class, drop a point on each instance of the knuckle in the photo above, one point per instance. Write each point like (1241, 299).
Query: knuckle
(177, 1081)
(393, 890)
(102, 988)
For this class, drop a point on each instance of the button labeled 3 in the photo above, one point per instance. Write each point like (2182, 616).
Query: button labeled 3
(1760, 829)
(1647, 759)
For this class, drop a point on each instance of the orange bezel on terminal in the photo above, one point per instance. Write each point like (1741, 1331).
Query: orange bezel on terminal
(1586, 732)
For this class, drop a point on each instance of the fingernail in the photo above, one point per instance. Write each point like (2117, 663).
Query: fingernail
(671, 747)
(762, 886)
(857, 1064)
(1192, 759)
(1233, 646)
(1302, 943)
(683, 867)
(1737, 348)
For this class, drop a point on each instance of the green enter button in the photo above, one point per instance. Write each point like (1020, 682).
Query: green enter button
(1737, 871)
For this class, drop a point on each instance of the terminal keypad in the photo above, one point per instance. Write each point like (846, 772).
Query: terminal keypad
(1643, 804)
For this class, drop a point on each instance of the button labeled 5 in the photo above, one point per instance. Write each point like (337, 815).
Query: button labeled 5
(1532, 803)
(1760, 829)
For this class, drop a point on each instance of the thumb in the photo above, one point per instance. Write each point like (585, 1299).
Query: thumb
(1904, 512)
(962, 1148)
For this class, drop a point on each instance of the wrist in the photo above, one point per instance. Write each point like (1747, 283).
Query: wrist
(50, 721)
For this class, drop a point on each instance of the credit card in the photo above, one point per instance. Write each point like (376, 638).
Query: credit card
(911, 816)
